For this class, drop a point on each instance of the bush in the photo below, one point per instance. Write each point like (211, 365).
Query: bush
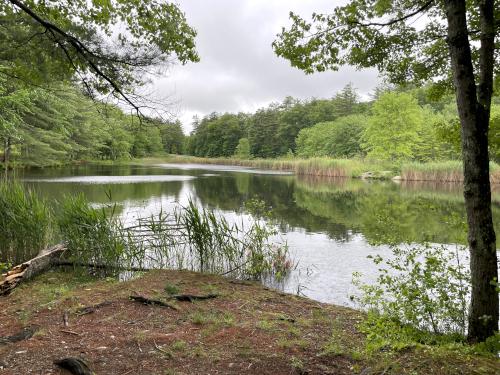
(422, 286)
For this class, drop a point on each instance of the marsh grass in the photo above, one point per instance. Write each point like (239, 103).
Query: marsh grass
(321, 166)
(190, 237)
(25, 222)
(91, 234)
(443, 171)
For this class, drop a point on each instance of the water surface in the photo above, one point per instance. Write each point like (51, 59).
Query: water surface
(331, 225)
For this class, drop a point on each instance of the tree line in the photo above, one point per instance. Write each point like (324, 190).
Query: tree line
(42, 127)
(396, 124)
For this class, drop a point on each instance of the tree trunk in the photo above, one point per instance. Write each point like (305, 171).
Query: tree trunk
(474, 119)
(6, 152)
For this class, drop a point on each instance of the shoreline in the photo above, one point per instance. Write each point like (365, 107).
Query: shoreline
(449, 171)
(445, 171)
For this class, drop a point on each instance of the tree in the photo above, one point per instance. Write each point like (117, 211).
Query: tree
(172, 137)
(454, 42)
(110, 46)
(340, 138)
(393, 129)
(243, 149)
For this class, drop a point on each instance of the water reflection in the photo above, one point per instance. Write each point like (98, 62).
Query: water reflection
(331, 225)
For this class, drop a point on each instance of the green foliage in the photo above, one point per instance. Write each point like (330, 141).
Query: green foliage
(339, 138)
(191, 237)
(25, 222)
(393, 129)
(425, 287)
(270, 131)
(91, 234)
(243, 149)
(448, 130)
(402, 123)
(103, 41)
(354, 34)
(42, 128)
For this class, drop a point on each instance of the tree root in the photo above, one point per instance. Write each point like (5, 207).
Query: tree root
(192, 297)
(75, 366)
(148, 301)
(25, 334)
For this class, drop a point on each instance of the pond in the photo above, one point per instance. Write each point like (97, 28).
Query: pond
(330, 225)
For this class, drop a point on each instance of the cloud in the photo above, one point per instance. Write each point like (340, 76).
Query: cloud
(238, 70)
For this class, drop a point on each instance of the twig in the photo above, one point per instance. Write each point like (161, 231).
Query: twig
(66, 318)
(168, 354)
(70, 332)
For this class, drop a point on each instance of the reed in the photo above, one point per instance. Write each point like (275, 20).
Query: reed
(91, 234)
(188, 238)
(440, 171)
(321, 166)
(443, 171)
(25, 222)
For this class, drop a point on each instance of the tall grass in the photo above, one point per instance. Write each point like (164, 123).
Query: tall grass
(188, 238)
(25, 222)
(445, 171)
(323, 166)
(441, 171)
(90, 233)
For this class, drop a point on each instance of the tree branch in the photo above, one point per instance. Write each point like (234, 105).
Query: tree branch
(79, 47)
(396, 20)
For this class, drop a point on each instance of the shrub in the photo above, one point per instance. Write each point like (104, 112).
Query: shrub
(422, 286)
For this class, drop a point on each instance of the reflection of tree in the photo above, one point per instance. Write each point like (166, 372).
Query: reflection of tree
(385, 212)
(230, 191)
(381, 210)
(98, 193)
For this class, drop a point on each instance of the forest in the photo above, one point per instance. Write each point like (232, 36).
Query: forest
(62, 124)
(49, 127)
(396, 124)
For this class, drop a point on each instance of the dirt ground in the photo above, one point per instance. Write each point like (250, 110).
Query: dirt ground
(246, 329)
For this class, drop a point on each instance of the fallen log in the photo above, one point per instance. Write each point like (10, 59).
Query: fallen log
(27, 270)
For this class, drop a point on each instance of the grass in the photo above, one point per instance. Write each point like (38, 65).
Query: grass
(314, 166)
(26, 224)
(442, 171)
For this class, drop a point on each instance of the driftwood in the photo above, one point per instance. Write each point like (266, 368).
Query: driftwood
(149, 301)
(192, 297)
(75, 366)
(24, 334)
(27, 270)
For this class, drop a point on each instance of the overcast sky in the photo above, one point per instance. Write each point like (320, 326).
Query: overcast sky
(238, 70)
